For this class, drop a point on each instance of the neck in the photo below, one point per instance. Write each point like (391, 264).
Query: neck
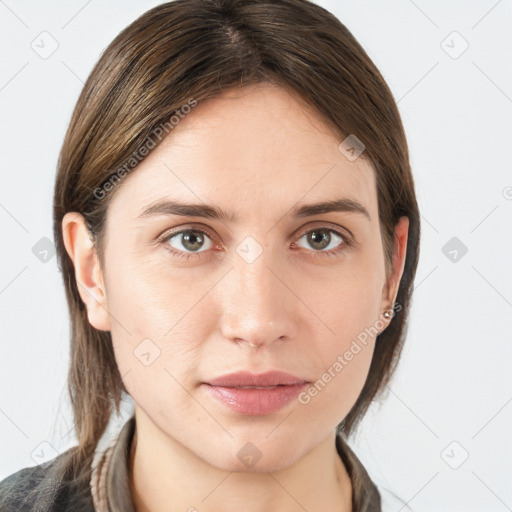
(166, 476)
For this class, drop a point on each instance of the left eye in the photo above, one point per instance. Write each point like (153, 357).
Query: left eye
(321, 239)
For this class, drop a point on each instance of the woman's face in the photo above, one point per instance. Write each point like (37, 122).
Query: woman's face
(255, 288)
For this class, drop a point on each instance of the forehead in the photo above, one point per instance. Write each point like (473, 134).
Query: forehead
(254, 150)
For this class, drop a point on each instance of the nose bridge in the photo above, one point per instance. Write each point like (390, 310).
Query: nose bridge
(256, 285)
(258, 306)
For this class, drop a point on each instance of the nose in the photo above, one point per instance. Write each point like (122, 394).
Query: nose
(258, 307)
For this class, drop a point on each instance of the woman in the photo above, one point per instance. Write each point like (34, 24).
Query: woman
(237, 228)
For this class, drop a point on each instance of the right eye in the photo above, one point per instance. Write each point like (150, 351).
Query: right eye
(187, 242)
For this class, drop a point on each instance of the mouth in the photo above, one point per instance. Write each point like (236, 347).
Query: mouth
(250, 380)
(255, 395)
(257, 387)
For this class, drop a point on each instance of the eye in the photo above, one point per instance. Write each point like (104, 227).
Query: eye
(187, 242)
(325, 240)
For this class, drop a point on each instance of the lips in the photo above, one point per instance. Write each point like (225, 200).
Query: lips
(263, 380)
(255, 395)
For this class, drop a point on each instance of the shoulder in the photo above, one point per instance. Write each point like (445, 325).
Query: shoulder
(40, 488)
(17, 491)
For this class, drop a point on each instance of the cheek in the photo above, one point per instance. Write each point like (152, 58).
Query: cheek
(350, 306)
(150, 301)
(157, 333)
(342, 369)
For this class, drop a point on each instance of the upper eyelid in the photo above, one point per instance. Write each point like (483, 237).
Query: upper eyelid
(170, 233)
(348, 239)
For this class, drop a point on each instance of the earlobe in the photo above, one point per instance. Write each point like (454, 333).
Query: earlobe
(88, 274)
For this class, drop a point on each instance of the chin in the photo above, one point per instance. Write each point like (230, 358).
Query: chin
(247, 457)
(262, 466)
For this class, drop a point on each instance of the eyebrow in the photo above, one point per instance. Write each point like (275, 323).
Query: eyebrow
(169, 207)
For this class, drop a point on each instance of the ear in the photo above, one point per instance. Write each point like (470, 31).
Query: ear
(390, 290)
(88, 274)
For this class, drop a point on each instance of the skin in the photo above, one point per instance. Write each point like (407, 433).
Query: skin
(256, 152)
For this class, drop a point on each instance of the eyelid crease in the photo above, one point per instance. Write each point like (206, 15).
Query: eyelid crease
(345, 232)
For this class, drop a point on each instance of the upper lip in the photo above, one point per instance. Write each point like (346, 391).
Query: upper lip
(272, 378)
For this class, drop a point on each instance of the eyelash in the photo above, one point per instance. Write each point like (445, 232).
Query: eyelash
(347, 242)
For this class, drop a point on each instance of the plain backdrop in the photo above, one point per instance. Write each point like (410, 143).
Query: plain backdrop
(441, 439)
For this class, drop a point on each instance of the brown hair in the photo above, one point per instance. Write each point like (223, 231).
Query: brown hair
(197, 49)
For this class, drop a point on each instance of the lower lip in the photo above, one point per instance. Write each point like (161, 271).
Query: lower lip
(256, 402)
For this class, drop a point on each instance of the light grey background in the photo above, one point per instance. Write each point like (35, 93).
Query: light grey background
(452, 395)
